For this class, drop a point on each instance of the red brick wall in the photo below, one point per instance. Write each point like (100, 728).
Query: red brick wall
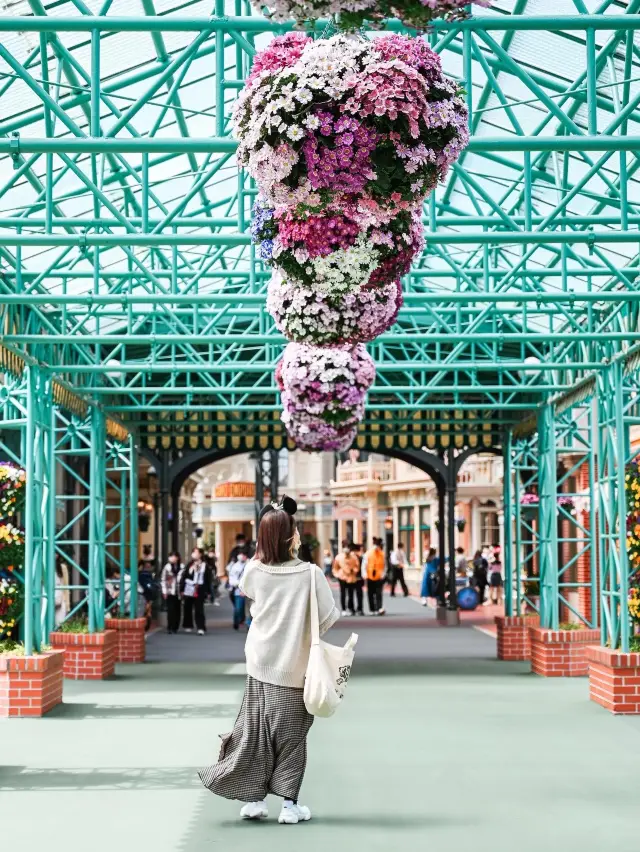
(131, 642)
(30, 686)
(614, 680)
(87, 656)
(561, 653)
(513, 636)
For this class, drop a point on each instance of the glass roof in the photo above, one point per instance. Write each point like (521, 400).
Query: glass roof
(525, 83)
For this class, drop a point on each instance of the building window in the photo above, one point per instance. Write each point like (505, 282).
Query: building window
(489, 527)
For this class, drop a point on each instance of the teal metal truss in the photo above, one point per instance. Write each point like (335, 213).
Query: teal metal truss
(71, 466)
(551, 560)
(127, 273)
(618, 412)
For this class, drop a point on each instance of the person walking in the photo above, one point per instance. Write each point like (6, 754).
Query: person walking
(187, 594)
(170, 587)
(480, 579)
(346, 568)
(374, 567)
(266, 753)
(496, 582)
(429, 577)
(399, 562)
(327, 563)
(360, 578)
(203, 579)
(236, 573)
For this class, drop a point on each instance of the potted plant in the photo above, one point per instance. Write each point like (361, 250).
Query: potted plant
(30, 685)
(87, 656)
(461, 523)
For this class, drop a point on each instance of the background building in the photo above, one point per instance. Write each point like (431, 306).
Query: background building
(380, 496)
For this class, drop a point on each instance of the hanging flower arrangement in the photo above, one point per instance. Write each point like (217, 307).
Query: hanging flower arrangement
(12, 489)
(345, 138)
(353, 14)
(321, 120)
(632, 490)
(11, 604)
(323, 393)
(11, 546)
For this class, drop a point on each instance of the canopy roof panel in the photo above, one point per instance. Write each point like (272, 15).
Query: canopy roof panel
(125, 259)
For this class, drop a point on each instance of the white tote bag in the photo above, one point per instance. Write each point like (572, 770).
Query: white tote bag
(329, 666)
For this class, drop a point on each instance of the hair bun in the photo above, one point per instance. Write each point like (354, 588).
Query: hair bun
(289, 505)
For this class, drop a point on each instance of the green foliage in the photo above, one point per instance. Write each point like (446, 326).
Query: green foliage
(74, 625)
(571, 625)
(10, 646)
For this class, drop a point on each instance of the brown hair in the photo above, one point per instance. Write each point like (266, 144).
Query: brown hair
(275, 535)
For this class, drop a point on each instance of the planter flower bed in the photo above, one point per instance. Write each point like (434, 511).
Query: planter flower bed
(30, 686)
(87, 656)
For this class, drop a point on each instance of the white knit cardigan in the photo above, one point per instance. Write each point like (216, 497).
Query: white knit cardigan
(279, 639)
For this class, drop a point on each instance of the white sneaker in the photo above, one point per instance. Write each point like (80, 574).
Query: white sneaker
(200, 632)
(254, 810)
(187, 630)
(216, 603)
(424, 601)
(381, 611)
(292, 814)
(344, 613)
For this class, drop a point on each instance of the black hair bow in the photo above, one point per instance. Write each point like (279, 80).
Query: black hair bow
(288, 504)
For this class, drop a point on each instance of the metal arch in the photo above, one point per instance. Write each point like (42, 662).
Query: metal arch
(462, 457)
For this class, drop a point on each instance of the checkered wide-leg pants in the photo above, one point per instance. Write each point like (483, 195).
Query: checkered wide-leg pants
(267, 750)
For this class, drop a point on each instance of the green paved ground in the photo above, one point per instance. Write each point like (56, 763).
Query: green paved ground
(435, 753)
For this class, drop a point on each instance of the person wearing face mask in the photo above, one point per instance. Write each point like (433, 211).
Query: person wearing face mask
(346, 570)
(236, 573)
(266, 753)
(170, 585)
(196, 587)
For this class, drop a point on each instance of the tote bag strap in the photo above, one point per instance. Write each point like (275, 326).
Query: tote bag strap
(313, 605)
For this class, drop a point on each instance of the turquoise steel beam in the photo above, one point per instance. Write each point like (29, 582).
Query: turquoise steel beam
(97, 521)
(509, 519)
(436, 297)
(591, 238)
(225, 145)
(133, 526)
(37, 520)
(171, 23)
(613, 454)
(261, 339)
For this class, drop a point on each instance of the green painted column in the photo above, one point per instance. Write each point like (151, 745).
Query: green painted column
(548, 519)
(509, 517)
(37, 522)
(133, 526)
(97, 520)
(613, 454)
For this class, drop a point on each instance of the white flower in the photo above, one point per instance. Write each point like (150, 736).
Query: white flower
(303, 95)
(312, 122)
(295, 133)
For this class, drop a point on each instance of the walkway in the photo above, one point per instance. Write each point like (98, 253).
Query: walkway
(438, 746)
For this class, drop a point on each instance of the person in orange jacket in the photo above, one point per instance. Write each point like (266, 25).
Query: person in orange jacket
(374, 568)
(346, 569)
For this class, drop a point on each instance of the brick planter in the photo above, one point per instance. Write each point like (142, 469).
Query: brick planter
(87, 656)
(30, 686)
(561, 653)
(514, 642)
(130, 632)
(614, 680)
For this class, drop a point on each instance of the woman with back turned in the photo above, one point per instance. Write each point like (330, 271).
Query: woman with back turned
(267, 750)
